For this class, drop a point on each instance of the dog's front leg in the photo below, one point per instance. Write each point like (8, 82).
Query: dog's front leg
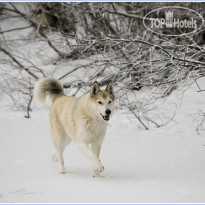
(90, 154)
(96, 146)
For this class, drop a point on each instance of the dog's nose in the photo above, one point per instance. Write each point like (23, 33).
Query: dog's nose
(107, 112)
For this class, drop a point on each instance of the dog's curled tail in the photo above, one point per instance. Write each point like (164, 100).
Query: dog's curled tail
(50, 85)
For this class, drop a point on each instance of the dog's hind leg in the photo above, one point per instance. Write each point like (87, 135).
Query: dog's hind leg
(55, 157)
(60, 150)
(60, 147)
(60, 141)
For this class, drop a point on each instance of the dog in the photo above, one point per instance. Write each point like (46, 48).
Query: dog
(82, 120)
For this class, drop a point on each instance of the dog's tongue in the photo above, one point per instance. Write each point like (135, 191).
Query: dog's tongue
(106, 118)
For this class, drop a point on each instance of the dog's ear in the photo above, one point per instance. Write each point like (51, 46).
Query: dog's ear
(109, 88)
(94, 89)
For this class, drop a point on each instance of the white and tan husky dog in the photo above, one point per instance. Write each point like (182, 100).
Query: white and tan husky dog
(83, 120)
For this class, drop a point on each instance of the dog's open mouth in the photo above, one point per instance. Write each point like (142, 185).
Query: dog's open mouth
(105, 117)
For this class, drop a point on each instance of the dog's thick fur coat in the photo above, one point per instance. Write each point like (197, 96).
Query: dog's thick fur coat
(82, 120)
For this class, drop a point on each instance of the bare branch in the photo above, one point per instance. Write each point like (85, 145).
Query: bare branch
(15, 29)
(18, 63)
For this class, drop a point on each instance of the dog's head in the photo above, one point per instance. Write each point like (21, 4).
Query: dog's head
(102, 101)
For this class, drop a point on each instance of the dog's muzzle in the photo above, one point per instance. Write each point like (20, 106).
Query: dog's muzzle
(105, 117)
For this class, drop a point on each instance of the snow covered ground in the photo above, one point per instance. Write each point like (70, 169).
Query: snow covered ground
(160, 165)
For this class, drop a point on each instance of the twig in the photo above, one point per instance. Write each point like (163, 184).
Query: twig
(29, 107)
(138, 119)
(18, 63)
(15, 29)
(75, 69)
(127, 15)
(200, 90)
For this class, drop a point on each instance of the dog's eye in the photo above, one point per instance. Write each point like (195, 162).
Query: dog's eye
(109, 102)
(100, 102)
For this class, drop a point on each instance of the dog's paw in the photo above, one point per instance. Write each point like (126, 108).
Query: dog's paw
(62, 171)
(98, 167)
(97, 174)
